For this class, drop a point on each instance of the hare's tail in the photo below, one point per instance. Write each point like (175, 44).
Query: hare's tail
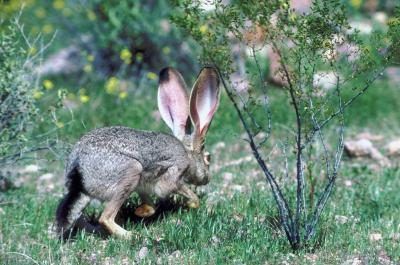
(73, 203)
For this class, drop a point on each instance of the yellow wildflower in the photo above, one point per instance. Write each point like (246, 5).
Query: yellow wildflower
(356, 3)
(203, 29)
(59, 124)
(166, 50)
(123, 94)
(48, 28)
(84, 98)
(88, 68)
(58, 4)
(126, 56)
(90, 58)
(91, 15)
(151, 76)
(40, 12)
(32, 50)
(37, 94)
(112, 85)
(48, 84)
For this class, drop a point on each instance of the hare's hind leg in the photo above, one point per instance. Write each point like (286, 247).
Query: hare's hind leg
(121, 193)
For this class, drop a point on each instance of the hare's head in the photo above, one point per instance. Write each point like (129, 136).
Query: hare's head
(189, 118)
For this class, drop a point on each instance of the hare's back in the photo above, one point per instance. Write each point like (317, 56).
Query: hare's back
(123, 144)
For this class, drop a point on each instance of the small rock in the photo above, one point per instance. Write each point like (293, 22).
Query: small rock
(375, 237)
(30, 169)
(215, 240)
(175, 257)
(363, 26)
(238, 217)
(393, 148)
(358, 148)
(383, 258)
(125, 261)
(301, 6)
(46, 177)
(353, 261)
(349, 51)
(312, 258)
(364, 148)
(227, 177)
(165, 25)
(341, 219)
(348, 183)
(207, 5)
(143, 252)
(325, 80)
(395, 236)
(239, 188)
(66, 61)
(219, 145)
(393, 73)
(380, 17)
(369, 136)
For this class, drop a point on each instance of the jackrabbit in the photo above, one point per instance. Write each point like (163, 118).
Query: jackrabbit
(110, 163)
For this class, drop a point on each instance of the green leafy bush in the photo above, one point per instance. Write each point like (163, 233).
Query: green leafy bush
(17, 104)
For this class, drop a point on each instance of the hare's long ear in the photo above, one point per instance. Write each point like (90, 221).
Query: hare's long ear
(204, 103)
(173, 101)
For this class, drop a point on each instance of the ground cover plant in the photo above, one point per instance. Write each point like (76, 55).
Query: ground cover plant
(237, 222)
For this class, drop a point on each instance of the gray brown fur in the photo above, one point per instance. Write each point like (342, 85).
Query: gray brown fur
(110, 163)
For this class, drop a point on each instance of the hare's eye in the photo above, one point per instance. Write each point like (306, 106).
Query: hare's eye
(207, 158)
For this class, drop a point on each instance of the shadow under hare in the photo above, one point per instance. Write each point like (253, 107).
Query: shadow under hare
(110, 163)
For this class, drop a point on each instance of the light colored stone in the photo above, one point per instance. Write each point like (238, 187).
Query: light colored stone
(393, 73)
(380, 17)
(358, 148)
(341, 219)
(66, 61)
(301, 6)
(31, 169)
(393, 148)
(175, 257)
(143, 252)
(363, 26)
(353, 261)
(325, 80)
(364, 148)
(369, 136)
(46, 177)
(375, 237)
(227, 176)
(348, 183)
(395, 236)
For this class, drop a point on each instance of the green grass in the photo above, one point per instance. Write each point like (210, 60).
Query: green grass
(230, 227)
(235, 230)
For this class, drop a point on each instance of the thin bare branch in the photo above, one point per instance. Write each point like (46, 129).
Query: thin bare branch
(311, 225)
(283, 208)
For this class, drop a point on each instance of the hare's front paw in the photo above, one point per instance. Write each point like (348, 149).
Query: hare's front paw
(145, 210)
